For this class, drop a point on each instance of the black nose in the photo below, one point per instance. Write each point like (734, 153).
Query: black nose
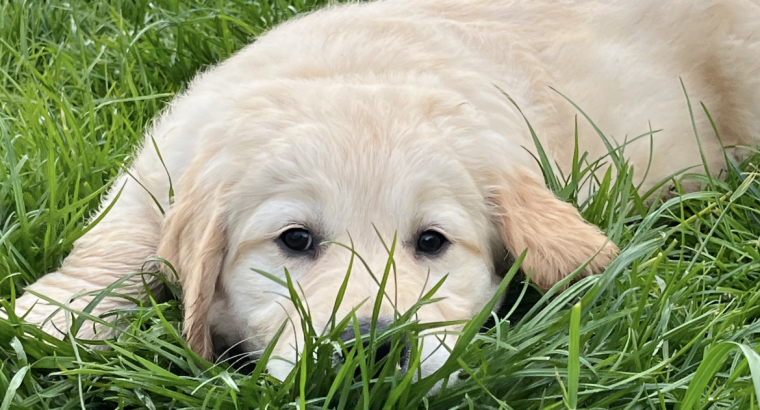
(383, 350)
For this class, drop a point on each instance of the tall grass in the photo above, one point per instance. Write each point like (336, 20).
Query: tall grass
(672, 324)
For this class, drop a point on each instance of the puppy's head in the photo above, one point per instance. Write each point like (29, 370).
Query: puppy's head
(299, 168)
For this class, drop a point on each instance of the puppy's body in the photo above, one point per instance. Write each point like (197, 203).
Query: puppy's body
(392, 114)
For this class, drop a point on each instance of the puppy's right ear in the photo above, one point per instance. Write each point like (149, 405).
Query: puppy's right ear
(194, 241)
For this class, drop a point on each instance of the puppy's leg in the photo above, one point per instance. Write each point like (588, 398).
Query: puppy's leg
(119, 245)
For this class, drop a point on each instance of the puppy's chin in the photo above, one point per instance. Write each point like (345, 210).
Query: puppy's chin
(279, 368)
(436, 349)
(435, 352)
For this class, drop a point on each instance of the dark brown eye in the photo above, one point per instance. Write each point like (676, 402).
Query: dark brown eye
(431, 242)
(297, 240)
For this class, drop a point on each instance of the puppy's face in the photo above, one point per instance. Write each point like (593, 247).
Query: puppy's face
(367, 164)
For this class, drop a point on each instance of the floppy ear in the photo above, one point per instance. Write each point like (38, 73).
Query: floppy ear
(194, 241)
(557, 238)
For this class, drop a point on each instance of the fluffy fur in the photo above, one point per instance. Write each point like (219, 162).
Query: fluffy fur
(392, 114)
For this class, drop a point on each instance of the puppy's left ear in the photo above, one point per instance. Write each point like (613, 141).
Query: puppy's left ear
(557, 238)
(194, 241)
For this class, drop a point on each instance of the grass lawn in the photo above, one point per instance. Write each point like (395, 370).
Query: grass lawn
(672, 324)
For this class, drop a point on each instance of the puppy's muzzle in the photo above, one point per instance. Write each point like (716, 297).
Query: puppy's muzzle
(383, 349)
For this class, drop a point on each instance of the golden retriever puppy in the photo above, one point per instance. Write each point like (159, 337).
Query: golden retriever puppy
(392, 114)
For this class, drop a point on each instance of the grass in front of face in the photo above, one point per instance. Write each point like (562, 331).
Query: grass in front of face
(670, 325)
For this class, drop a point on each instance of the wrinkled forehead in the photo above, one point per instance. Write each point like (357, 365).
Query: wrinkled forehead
(398, 180)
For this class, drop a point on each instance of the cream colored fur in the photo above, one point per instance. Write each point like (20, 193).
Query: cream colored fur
(391, 114)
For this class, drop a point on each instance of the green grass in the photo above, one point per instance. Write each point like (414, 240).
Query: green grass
(672, 324)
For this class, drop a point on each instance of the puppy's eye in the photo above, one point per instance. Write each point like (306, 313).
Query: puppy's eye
(431, 242)
(297, 240)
